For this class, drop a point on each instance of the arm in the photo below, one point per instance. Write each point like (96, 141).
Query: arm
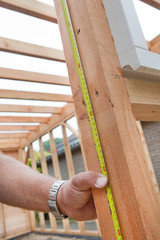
(21, 186)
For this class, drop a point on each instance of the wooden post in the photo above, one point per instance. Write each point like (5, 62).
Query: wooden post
(70, 166)
(135, 199)
(57, 171)
(45, 171)
(3, 219)
(41, 214)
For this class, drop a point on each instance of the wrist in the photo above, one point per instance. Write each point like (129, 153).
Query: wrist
(54, 200)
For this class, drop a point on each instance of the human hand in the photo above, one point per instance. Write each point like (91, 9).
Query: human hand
(75, 198)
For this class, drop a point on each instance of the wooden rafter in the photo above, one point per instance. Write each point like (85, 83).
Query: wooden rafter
(9, 144)
(32, 50)
(13, 94)
(9, 119)
(29, 109)
(19, 128)
(7, 73)
(153, 3)
(31, 8)
(13, 135)
(67, 112)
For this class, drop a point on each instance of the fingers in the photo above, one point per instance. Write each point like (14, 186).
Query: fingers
(89, 179)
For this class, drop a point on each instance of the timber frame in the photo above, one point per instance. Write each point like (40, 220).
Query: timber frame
(113, 88)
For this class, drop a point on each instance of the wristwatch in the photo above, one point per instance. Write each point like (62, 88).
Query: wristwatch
(52, 202)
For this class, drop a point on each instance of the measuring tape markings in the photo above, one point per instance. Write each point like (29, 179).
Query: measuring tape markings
(91, 116)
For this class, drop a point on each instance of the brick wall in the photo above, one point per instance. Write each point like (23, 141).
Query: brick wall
(152, 135)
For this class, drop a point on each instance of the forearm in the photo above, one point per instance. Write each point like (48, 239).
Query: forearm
(22, 187)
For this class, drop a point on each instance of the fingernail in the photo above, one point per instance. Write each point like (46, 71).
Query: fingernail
(101, 182)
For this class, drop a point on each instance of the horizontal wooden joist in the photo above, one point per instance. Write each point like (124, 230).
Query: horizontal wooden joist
(9, 119)
(7, 73)
(145, 98)
(19, 128)
(153, 3)
(9, 144)
(32, 50)
(32, 8)
(67, 112)
(29, 109)
(13, 94)
(13, 135)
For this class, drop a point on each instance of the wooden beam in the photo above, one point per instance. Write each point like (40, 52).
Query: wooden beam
(70, 165)
(31, 8)
(8, 144)
(154, 45)
(3, 220)
(45, 171)
(71, 129)
(19, 128)
(7, 73)
(145, 98)
(67, 112)
(32, 50)
(29, 109)
(135, 199)
(13, 94)
(34, 166)
(153, 3)
(23, 119)
(13, 135)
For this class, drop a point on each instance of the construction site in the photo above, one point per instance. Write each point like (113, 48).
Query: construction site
(81, 92)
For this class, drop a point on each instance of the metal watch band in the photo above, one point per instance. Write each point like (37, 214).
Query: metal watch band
(52, 202)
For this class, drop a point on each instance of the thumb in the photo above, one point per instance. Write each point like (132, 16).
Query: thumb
(86, 180)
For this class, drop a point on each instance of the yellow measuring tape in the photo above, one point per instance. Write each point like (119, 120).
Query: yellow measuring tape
(90, 115)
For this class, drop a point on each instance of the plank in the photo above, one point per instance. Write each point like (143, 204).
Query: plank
(45, 171)
(67, 112)
(19, 128)
(35, 96)
(13, 135)
(149, 161)
(34, 166)
(21, 75)
(31, 8)
(9, 119)
(153, 3)
(135, 200)
(32, 50)
(30, 109)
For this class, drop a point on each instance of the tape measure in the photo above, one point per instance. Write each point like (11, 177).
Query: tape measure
(90, 115)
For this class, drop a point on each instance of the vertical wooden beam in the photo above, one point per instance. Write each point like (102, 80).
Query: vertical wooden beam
(45, 171)
(149, 161)
(55, 161)
(70, 166)
(135, 200)
(41, 214)
(57, 172)
(3, 219)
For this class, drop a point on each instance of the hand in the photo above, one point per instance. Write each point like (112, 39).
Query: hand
(75, 198)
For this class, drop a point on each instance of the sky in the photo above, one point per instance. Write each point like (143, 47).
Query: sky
(32, 30)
